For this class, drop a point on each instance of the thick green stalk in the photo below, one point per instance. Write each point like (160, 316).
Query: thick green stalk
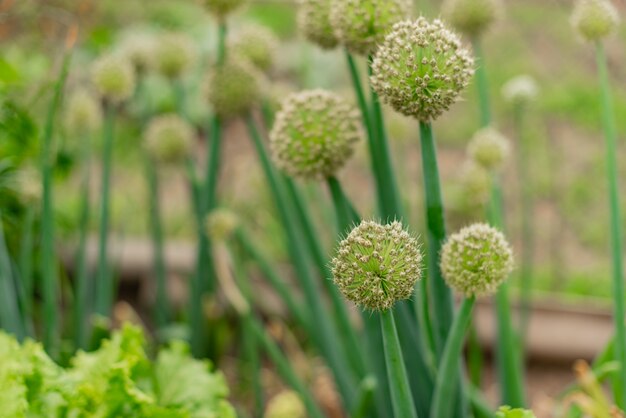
(48, 256)
(401, 397)
(525, 181)
(482, 84)
(105, 286)
(10, 317)
(365, 399)
(326, 337)
(342, 209)
(284, 369)
(26, 267)
(294, 306)
(450, 365)
(81, 303)
(440, 294)
(162, 311)
(608, 121)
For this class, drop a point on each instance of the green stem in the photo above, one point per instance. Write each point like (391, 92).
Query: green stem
(104, 284)
(608, 121)
(450, 365)
(342, 209)
(326, 336)
(401, 397)
(26, 267)
(525, 181)
(10, 318)
(48, 257)
(179, 96)
(82, 274)
(162, 312)
(284, 368)
(222, 33)
(441, 296)
(482, 84)
(392, 204)
(366, 398)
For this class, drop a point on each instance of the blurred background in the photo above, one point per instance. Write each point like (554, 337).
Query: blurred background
(571, 254)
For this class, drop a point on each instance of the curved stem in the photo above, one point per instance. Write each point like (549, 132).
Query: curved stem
(450, 365)
(608, 121)
(401, 398)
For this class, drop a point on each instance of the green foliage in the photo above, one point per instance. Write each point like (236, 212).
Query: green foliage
(507, 412)
(117, 380)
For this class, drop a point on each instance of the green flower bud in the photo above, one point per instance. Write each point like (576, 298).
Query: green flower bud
(314, 133)
(595, 19)
(114, 78)
(286, 404)
(489, 148)
(83, 114)
(520, 90)
(476, 260)
(421, 68)
(173, 54)
(233, 88)
(472, 17)
(314, 23)
(362, 24)
(139, 49)
(221, 224)
(169, 139)
(222, 8)
(377, 265)
(257, 44)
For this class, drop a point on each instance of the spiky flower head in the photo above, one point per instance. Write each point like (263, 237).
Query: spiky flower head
(286, 404)
(489, 148)
(314, 23)
(595, 19)
(472, 17)
(257, 44)
(169, 139)
(83, 114)
(476, 260)
(174, 54)
(113, 77)
(139, 49)
(361, 25)
(314, 134)
(233, 88)
(520, 90)
(221, 223)
(421, 68)
(222, 8)
(377, 265)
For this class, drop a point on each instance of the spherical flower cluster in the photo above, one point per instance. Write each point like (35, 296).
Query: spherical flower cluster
(595, 19)
(472, 17)
(362, 24)
(476, 260)
(257, 44)
(286, 404)
(520, 90)
(221, 224)
(489, 148)
(174, 54)
(139, 49)
(222, 8)
(169, 139)
(377, 265)
(83, 113)
(314, 133)
(314, 22)
(233, 88)
(421, 68)
(114, 78)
